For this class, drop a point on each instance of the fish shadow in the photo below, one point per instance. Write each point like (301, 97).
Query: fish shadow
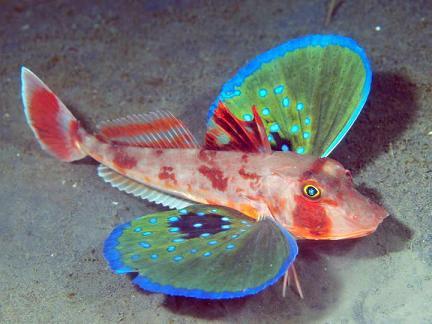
(204, 308)
(389, 111)
(319, 286)
(391, 236)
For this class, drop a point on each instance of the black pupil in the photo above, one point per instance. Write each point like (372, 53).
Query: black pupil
(311, 191)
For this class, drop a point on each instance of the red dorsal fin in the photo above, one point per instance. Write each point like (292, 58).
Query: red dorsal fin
(155, 129)
(227, 132)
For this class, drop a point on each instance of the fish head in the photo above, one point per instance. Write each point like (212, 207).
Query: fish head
(323, 204)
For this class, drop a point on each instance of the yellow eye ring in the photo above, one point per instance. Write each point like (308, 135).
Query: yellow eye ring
(311, 192)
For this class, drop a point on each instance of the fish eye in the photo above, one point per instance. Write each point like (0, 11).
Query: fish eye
(311, 191)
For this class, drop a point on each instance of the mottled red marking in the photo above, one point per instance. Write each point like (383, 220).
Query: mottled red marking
(167, 173)
(310, 219)
(215, 176)
(123, 161)
(158, 153)
(206, 156)
(245, 158)
(253, 177)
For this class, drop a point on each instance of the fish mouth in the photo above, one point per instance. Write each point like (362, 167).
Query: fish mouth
(363, 216)
(305, 235)
(365, 231)
(351, 235)
(335, 237)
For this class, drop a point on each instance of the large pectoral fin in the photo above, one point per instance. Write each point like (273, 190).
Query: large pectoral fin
(308, 92)
(202, 251)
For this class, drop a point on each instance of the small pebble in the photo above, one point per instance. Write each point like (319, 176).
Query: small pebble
(75, 185)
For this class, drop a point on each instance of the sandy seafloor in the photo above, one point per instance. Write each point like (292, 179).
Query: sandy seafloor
(107, 59)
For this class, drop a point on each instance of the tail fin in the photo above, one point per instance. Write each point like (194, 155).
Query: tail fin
(52, 123)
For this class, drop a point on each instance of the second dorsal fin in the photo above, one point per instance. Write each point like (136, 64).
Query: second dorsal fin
(227, 132)
(155, 129)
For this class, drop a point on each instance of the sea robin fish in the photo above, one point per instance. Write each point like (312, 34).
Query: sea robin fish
(261, 178)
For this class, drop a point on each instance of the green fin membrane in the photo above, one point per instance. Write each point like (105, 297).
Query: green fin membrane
(203, 251)
(308, 92)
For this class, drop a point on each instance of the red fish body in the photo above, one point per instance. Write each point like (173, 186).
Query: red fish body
(239, 180)
(229, 178)
(258, 184)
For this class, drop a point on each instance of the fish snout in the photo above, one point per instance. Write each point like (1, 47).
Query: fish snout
(367, 214)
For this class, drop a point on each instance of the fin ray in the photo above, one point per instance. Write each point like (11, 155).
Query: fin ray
(139, 190)
(54, 126)
(308, 92)
(201, 251)
(247, 136)
(154, 129)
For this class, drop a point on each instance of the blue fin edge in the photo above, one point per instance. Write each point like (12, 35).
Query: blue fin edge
(113, 258)
(292, 45)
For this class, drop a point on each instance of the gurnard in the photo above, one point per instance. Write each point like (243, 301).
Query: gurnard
(261, 180)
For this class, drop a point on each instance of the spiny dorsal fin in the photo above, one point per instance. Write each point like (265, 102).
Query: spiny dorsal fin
(227, 132)
(139, 190)
(155, 129)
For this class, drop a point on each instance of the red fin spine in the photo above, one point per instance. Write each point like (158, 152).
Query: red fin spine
(56, 129)
(261, 132)
(227, 132)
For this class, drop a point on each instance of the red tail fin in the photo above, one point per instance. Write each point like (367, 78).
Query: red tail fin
(52, 123)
